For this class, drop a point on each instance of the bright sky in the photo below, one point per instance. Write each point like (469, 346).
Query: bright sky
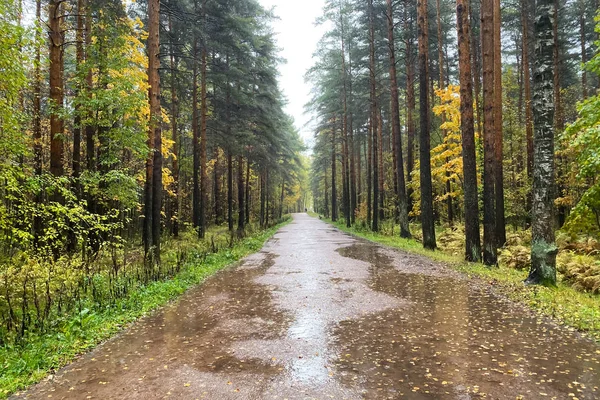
(297, 36)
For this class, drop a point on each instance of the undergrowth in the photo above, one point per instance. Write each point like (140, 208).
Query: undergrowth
(565, 304)
(37, 355)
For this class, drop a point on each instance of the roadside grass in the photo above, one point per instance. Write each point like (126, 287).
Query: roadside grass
(567, 306)
(39, 355)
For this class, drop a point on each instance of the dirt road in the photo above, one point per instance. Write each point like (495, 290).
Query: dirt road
(320, 314)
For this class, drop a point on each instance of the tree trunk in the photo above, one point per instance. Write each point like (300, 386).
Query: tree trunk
(489, 214)
(56, 34)
(427, 220)
(374, 118)
(155, 117)
(476, 60)
(281, 200)
(543, 247)
(500, 233)
(410, 110)
(196, 202)
(334, 207)
(203, 167)
(230, 191)
(262, 198)
(174, 137)
(79, 57)
(37, 96)
(527, 88)
(471, 204)
(380, 170)
(247, 202)
(241, 196)
(217, 186)
(345, 155)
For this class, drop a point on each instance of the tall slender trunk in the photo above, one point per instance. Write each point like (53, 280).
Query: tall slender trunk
(196, 202)
(56, 34)
(281, 200)
(326, 196)
(410, 109)
(334, 206)
(442, 84)
(79, 57)
(241, 196)
(374, 118)
(37, 95)
(203, 167)
(352, 146)
(498, 139)
(427, 220)
(471, 204)
(369, 177)
(248, 198)
(263, 198)
(345, 155)
(559, 121)
(476, 60)
(543, 247)
(174, 136)
(230, 191)
(489, 214)
(380, 170)
(154, 167)
(527, 88)
(217, 188)
(558, 114)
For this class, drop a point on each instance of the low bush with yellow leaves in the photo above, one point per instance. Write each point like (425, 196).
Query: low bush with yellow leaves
(581, 271)
(515, 257)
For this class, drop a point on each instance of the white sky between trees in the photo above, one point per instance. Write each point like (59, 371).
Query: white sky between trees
(297, 37)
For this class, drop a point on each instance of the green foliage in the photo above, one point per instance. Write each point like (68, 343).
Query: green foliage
(13, 78)
(90, 322)
(583, 139)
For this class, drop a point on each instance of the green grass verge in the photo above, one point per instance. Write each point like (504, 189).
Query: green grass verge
(25, 364)
(564, 304)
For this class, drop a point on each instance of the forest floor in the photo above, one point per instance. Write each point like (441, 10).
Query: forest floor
(321, 314)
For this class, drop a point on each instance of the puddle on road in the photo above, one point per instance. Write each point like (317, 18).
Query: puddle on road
(457, 340)
(185, 349)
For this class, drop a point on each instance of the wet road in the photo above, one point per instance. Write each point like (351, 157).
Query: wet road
(319, 314)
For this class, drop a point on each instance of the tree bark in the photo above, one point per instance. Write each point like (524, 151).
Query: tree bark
(489, 213)
(56, 34)
(471, 203)
(230, 191)
(374, 119)
(79, 58)
(241, 208)
(196, 196)
(203, 167)
(174, 136)
(527, 88)
(543, 247)
(155, 118)
(500, 233)
(410, 109)
(334, 207)
(427, 221)
(37, 97)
